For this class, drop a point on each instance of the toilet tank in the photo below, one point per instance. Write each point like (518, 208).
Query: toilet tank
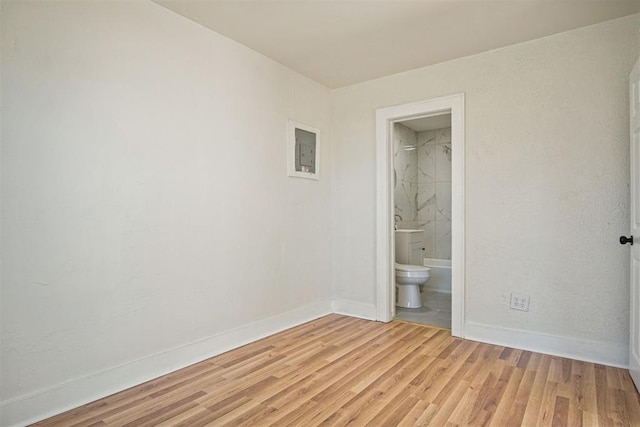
(409, 247)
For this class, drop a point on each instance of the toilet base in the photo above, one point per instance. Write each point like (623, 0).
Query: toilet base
(409, 296)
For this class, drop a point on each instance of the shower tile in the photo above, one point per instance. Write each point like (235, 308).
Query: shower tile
(404, 200)
(405, 164)
(426, 137)
(400, 202)
(412, 165)
(443, 201)
(443, 162)
(443, 136)
(427, 163)
(399, 162)
(406, 225)
(410, 225)
(443, 239)
(408, 135)
(426, 202)
(396, 140)
(403, 171)
(399, 157)
(405, 155)
(397, 167)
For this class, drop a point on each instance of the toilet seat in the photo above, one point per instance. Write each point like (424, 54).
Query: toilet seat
(408, 280)
(405, 270)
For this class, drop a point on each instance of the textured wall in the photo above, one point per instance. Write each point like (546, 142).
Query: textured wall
(146, 203)
(547, 172)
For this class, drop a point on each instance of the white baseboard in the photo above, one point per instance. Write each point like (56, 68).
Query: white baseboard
(574, 348)
(354, 309)
(43, 404)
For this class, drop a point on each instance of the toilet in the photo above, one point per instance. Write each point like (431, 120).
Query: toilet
(410, 273)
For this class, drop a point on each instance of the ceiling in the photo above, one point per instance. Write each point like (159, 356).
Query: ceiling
(428, 123)
(339, 43)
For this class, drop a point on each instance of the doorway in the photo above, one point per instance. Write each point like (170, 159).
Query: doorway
(386, 118)
(422, 214)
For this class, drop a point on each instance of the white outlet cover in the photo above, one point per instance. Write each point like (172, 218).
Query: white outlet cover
(520, 302)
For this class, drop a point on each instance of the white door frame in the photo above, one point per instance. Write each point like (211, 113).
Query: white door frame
(634, 214)
(385, 248)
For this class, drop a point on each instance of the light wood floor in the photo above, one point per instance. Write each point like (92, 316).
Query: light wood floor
(340, 370)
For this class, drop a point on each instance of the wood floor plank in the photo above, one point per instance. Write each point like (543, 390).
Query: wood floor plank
(560, 412)
(548, 404)
(449, 406)
(389, 389)
(165, 412)
(462, 413)
(509, 397)
(339, 370)
(534, 403)
(519, 404)
(426, 418)
(631, 404)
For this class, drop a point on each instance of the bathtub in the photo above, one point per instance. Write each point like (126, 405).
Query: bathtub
(440, 275)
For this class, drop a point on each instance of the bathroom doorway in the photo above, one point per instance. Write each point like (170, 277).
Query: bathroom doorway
(422, 208)
(451, 110)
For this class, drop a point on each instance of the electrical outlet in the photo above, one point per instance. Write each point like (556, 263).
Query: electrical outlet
(520, 302)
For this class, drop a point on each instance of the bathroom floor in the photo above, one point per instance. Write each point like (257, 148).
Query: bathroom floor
(435, 310)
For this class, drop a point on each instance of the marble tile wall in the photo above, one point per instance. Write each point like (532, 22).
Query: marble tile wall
(405, 165)
(423, 186)
(434, 191)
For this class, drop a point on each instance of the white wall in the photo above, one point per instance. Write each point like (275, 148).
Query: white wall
(147, 217)
(143, 175)
(547, 173)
